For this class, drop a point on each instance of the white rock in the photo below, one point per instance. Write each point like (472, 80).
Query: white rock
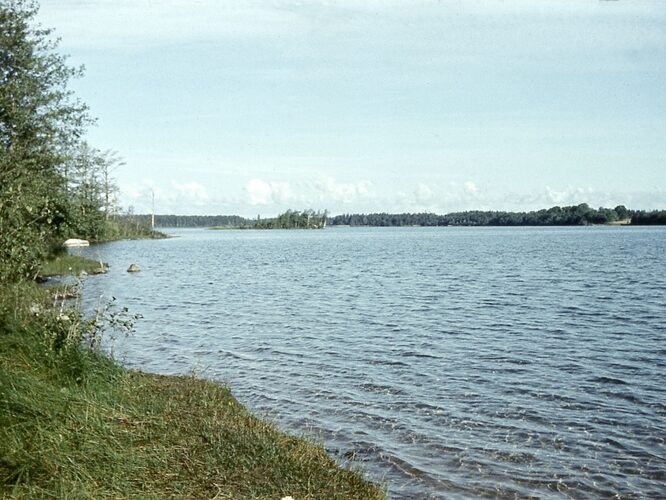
(75, 242)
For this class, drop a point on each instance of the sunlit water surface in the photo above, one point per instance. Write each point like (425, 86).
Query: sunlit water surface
(447, 362)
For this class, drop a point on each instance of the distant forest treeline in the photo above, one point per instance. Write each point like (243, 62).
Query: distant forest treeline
(556, 216)
(291, 219)
(193, 220)
(573, 215)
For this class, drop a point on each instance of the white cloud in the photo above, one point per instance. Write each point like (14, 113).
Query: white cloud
(320, 192)
(346, 192)
(325, 192)
(191, 191)
(432, 197)
(186, 198)
(575, 195)
(423, 193)
(260, 192)
(569, 195)
(263, 192)
(282, 192)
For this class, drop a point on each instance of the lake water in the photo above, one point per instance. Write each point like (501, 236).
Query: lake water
(446, 362)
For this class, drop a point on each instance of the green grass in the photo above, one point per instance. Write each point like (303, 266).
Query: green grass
(126, 229)
(73, 424)
(64, 264)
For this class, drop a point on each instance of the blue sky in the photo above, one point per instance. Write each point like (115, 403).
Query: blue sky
(254, 107)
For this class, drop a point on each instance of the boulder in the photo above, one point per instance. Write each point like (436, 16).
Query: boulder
(133, 268)
(75, 242)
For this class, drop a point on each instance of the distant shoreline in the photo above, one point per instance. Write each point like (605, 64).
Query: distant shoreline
(574, 215)
(341, 226)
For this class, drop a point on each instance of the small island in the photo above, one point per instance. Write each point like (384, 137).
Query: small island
(291, 219)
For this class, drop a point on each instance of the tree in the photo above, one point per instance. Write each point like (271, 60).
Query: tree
(40, 123)
(110, 161)
(84, 192)
(622, 212)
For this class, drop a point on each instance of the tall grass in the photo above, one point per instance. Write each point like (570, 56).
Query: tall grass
(64, 264)
(75, 424)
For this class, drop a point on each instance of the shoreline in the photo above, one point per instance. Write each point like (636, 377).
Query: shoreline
(74, 422)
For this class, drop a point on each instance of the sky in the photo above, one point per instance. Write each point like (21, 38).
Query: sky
(254, 107)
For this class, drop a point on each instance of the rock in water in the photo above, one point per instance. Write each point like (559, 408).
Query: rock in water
(103, 268)
(75, 242)
(133, 268)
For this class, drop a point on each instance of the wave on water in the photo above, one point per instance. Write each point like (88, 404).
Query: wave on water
(449, 363)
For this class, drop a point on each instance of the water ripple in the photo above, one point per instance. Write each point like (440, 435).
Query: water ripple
(450, 363)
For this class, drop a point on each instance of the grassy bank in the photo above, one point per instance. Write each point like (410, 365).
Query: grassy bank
(75, 424)
(64, 263)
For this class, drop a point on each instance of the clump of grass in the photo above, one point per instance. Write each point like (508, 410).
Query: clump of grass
(75, 424)
(65, 264)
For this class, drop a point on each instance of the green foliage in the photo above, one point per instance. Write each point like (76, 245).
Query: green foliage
(385, 219)
(129, 228)
(556, 216)
(40, 116)
(91, 191)
(43, 330)
(40, 120)
(307, 219)
(222, 221)
(622, 212)
(64, 264)
(291, 219)
(655, 217)
(53, 185)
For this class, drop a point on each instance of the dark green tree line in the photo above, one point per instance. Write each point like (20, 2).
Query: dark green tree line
(643, 218)
(171, 220)
(581, 214)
